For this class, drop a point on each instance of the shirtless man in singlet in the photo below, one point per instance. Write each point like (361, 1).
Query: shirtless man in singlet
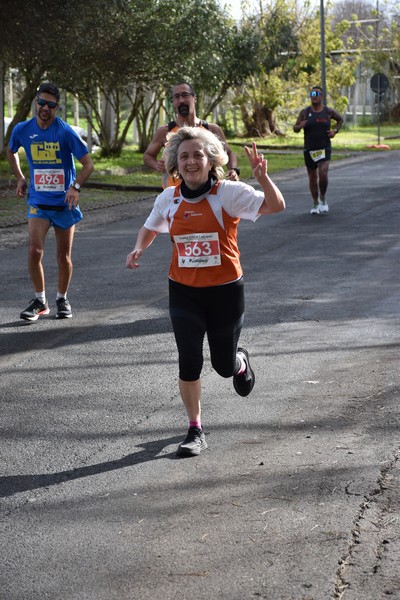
(184, 103)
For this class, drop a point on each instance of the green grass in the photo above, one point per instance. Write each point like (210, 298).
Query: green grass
(128, 169)
(13, 209)
(349, 138)
(282, 153)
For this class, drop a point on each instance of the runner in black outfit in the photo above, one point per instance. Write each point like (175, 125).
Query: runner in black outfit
(316, 122)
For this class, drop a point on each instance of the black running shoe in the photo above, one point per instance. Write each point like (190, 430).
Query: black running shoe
(244, 382)
(35, 310)
(193, 444)
(63, 309)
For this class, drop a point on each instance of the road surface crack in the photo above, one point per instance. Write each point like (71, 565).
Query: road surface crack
(373, 531)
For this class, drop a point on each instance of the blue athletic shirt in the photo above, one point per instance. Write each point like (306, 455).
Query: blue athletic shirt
(50, 153)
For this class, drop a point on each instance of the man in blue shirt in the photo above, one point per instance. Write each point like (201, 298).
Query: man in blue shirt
(50, 146)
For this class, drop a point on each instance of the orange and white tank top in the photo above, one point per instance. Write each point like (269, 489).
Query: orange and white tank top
(205, 250)
(204, 231)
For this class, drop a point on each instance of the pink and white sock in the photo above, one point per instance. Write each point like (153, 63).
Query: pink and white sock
(241, 368)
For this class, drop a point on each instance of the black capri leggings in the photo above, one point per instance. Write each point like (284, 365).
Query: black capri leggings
(217, 311)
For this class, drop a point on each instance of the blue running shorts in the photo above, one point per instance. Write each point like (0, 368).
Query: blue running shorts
(64, 218)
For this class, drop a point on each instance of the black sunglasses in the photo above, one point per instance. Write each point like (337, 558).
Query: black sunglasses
(314, 93)
(182, 95)
(49, 103)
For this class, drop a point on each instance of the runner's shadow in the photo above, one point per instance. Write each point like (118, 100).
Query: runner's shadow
(16, 484)
(18, 323)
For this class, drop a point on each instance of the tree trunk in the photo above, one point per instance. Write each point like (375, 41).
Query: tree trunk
(25, 103)
(261, 123)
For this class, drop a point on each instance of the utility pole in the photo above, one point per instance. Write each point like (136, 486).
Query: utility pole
(379, 78)
(323, 70)
(1, 107)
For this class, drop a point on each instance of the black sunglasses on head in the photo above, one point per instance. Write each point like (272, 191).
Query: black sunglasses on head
(49, 103)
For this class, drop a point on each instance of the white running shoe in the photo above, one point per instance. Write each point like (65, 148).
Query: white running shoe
(323, 207)
(315, 209)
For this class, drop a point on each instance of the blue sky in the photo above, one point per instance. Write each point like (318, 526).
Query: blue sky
(236, 5)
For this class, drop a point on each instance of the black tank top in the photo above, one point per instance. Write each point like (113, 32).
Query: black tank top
(316, 131)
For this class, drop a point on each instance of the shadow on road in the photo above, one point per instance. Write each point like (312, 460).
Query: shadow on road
(150, 451)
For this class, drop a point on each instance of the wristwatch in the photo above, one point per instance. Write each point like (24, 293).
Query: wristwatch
(76, 186)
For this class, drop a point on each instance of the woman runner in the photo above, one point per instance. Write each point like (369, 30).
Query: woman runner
(206, 294)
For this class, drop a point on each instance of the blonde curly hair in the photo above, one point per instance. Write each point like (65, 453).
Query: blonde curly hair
(212, 146)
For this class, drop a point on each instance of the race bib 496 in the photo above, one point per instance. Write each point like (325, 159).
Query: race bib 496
(49, 180)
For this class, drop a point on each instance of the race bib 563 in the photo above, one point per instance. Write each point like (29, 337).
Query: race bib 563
(198, 250)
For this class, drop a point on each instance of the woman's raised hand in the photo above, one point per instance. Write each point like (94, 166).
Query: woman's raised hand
(257, 161)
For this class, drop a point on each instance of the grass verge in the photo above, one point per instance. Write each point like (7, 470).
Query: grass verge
(128, 169)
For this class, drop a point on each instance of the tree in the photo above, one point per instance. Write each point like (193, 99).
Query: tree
(340, 59)
(133, 35)
(209, 54)
(32, 53)
(273, 34)
(358, 14)
(113, 73)
(377, 37)
(118, 56)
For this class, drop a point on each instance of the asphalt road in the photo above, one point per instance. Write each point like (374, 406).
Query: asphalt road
(298, 495)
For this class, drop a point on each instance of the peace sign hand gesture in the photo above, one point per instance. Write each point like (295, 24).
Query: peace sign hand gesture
(257, 161)
(273, 199)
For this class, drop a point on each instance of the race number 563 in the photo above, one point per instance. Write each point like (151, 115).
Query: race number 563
(198, 250)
